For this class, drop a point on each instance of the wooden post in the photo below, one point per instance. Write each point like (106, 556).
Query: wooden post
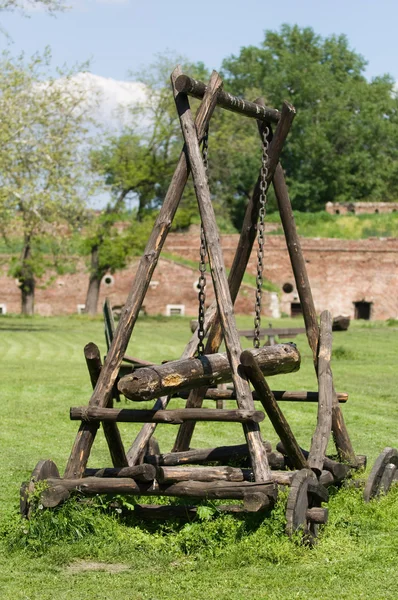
(103, 390)
(241, 259)
(87, 431)
(258, 455)
(323, 429)
(273, 411)
(340, 433)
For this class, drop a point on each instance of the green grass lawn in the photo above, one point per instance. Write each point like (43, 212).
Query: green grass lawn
(80, 552)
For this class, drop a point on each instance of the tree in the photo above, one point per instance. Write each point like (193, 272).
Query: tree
(110, 240)
(344, 141)
(136, 164)
(44, 180)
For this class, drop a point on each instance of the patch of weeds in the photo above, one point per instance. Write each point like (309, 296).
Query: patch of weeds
(392, 322)
(70, 522)
(342, 353)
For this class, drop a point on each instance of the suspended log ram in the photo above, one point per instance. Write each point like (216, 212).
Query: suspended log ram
(153, 382)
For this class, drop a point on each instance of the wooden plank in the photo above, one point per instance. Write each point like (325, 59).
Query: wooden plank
(197, 89)
(168, 378)
(273, 411)
(241, 259)
(103, 390)
(172, 417)
(321, 436)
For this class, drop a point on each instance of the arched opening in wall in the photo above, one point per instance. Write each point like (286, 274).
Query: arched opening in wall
(376, 211)
(295, 309)
(337, 211)
(363, 310)
(394, 210)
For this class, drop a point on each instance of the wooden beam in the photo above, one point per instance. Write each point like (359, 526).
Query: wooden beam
(138, 472)
(221, 454)
(103, 390)
(280, 395)
(273, 411)
(241, 259)
(340, 433)
(87, 431)
(321, 436)
(172, 417)
(197, 89)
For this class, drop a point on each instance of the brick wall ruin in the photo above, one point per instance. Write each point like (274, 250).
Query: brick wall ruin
(360, 208)
(347, 277)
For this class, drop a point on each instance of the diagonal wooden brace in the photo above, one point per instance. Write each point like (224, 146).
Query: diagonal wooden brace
(103, 390)
(241, 259)
(255, 444)
(340, 433)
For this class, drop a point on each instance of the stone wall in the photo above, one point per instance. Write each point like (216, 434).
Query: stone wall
(341, 272)
(360, 208)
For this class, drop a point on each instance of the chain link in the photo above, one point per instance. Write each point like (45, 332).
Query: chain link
(260, 237)
(202, 263)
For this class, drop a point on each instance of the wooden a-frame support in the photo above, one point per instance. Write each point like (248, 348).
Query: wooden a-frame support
(223, 322)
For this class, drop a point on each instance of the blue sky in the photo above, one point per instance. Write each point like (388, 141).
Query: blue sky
(122, 35)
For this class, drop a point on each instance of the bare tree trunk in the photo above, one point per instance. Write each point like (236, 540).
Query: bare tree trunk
(27, 281)
(94, 285)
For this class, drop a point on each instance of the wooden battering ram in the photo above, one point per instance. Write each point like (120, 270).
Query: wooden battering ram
(142, 470)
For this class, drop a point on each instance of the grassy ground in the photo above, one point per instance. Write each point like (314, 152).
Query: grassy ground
(80, 552)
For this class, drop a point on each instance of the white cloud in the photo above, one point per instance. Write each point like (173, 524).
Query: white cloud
(109, 99)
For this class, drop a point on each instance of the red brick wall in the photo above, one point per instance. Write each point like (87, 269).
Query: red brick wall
(341, 272)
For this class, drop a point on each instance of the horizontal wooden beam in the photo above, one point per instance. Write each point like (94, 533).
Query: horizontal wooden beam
(59, 489)
(280, 395)
(220, 454)
(139, 472)
(197, 89)
(173, 417)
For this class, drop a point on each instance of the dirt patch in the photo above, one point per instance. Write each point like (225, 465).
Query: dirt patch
(84, 565)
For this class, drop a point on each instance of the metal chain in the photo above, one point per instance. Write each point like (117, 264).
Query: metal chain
(202, 264)
(260, 237)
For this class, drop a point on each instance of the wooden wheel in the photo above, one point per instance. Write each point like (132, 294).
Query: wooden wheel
(382, 475)
(43, 470)
(304, 509)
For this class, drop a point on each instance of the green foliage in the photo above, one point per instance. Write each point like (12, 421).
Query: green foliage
(343, 353)
(117, 237)
(343, 144)
(43, 172)
(321, 224)
(392, 322)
